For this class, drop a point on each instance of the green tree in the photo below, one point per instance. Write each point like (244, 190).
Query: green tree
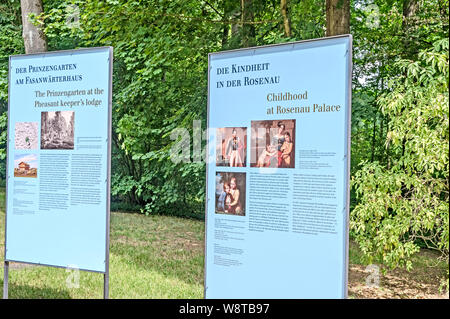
(160, 81)
(406, 205)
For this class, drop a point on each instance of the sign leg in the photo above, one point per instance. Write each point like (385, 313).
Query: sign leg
(5, 280)
(106, 286)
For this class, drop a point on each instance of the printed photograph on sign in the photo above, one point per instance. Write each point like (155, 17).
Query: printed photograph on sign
(57, 130)
(26, 135)
(25, 165)
(231, 146)
(273, 144)
(230, 193)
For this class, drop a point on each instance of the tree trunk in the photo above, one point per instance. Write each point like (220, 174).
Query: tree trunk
(248, 29)
(409, 11)
(33, 36)
(225, 32)
(374, 140)
(338, 17)
(409, 8)
(226, 27)
(286, 20)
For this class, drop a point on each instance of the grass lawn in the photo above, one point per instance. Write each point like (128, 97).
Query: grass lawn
(162, 257)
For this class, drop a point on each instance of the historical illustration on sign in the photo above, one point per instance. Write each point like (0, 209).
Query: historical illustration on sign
(57, 130)
(231, 146)
(25, 165)
(26, 135)
(273, 144)
(230, 193)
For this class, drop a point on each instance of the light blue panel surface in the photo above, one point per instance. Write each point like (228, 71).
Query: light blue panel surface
(283, 264)
(75, 236)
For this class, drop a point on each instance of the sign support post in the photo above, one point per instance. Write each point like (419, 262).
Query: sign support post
(5, 280)
(106, 285)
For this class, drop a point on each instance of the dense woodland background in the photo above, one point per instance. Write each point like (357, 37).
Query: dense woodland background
(400, 124)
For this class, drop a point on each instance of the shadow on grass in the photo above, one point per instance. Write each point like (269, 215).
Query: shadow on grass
(30, 292)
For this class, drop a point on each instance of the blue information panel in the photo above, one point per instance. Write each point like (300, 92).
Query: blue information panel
(58, 160)
(277, 178)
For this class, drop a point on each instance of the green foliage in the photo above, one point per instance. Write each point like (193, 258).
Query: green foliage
(160, 81)
(160, 78)
(10, 43)
(381, 37)
(409, 201)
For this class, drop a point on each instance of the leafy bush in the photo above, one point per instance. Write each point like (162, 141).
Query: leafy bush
(406, 202)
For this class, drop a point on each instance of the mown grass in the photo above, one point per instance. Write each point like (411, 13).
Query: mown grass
(157, 257)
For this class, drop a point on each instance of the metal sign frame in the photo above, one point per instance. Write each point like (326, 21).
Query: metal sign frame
(108, 172)
(348, 146)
